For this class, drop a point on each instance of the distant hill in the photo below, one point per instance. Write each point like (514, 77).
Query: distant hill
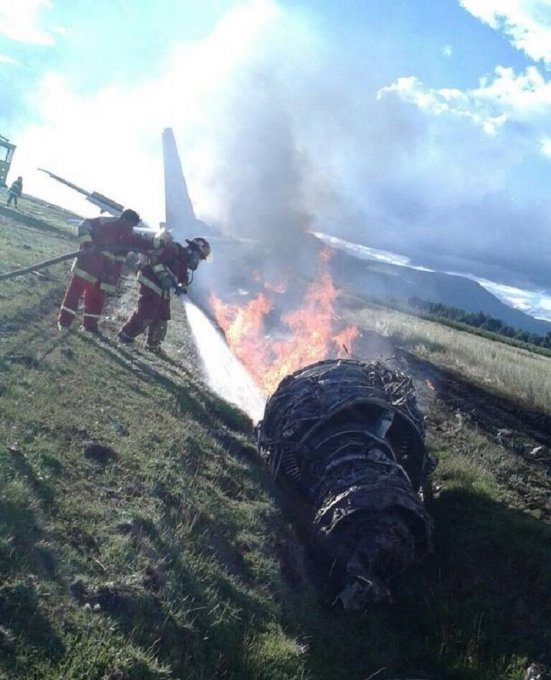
(387, 281)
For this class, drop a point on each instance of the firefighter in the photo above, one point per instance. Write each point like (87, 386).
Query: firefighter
(15, 191)
(165, 269)
(96, 272)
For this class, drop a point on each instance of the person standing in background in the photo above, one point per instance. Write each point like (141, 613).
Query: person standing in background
(15, 191)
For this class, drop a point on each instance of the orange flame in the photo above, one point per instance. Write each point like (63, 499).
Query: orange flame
(243, 326)
(310, 338)
(275, 286)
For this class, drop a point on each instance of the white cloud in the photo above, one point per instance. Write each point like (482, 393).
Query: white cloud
(20, 21)
(537, 303)
(446, 101)
(274, 130)
(447, 51)
(507, 98)
(4, 59)
(111, 141)
(546, 147)
(527, 23)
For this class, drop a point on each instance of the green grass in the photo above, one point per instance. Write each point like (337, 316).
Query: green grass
(466, 327)
(176, 556)
(494, 365)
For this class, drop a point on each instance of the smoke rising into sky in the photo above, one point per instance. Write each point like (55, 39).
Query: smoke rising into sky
(421, 129)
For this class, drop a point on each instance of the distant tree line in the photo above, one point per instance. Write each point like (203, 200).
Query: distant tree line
(479, 320)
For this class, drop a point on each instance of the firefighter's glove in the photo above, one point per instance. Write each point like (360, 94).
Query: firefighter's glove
(180, 290)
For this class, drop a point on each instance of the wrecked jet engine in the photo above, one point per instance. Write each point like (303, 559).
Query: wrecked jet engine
(349, 438)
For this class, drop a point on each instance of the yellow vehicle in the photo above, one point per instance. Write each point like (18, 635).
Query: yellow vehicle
(6, 155)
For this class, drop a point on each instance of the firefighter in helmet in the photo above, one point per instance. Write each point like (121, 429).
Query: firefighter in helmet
(96, 271)
(168, 268)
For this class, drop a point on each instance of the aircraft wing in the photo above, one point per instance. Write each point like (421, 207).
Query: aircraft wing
(104, 203)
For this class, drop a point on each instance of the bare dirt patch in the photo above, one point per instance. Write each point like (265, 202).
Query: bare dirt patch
(452, 406)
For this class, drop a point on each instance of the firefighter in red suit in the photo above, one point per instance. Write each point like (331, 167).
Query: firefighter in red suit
(165, 269)
(95, 273)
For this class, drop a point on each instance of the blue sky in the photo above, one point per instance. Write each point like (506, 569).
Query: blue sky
(416, 126)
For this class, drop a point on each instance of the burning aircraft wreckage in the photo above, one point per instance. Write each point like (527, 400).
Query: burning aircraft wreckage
(349, 438)
(344, 434)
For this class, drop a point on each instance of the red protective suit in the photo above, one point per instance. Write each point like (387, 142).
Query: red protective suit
(167, 268)
(96, 273)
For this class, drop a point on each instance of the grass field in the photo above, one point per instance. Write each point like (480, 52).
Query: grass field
(507, 370)
(167, 551)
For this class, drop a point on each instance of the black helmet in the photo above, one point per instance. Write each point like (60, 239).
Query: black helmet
(201, 245)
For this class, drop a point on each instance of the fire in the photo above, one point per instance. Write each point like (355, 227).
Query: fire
(242, 326)
(276, 286)
(310, 334)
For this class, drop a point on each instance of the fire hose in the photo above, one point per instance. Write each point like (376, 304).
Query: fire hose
(61, 258)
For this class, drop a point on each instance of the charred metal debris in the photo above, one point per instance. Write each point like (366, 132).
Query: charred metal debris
(349, 438)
